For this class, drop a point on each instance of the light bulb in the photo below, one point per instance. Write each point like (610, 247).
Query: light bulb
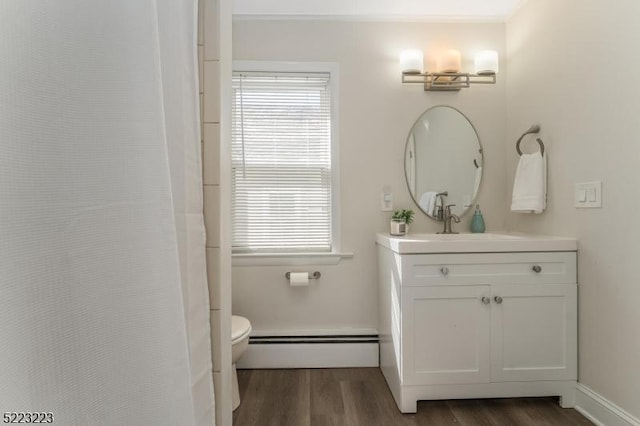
(486, 62)
(411, 61)
(450, 62)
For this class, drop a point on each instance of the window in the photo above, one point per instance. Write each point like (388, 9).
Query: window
(282, 179)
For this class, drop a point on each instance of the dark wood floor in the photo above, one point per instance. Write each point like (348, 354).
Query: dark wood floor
(360, 397)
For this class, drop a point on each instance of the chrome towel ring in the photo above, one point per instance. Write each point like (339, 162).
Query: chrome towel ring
(533, 129)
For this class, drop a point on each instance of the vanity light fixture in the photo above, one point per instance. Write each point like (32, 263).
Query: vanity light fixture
(449, 76)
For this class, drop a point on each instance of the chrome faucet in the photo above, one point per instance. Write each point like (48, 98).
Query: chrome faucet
(448, 217)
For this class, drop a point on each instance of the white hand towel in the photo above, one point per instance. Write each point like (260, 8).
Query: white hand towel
(428, 202)
(530, 185)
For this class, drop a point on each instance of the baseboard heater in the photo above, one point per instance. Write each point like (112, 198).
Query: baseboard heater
(266, 340)
(311, 351)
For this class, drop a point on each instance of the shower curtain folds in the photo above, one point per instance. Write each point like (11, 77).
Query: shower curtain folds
(104, 315)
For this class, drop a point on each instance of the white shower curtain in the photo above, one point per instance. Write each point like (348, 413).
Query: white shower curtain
(103, 297)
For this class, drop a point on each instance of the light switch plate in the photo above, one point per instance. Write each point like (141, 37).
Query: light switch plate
(588, 195)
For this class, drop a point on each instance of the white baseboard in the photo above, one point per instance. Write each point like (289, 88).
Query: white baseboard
(310, 355)
(601, 411)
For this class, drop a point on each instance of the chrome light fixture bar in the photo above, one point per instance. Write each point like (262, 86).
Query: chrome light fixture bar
(449, 76)
(447, 81)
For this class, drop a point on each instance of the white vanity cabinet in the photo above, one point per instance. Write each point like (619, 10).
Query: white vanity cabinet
(478, 324)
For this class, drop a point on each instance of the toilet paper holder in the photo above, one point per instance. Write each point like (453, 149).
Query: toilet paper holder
(312, 275)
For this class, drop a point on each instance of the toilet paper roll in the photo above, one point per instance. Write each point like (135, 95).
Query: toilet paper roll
(298, 279)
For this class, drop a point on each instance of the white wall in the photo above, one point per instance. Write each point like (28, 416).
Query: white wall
(573, 68)
(376, 114)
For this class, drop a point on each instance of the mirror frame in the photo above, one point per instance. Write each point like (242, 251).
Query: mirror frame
(480, 151)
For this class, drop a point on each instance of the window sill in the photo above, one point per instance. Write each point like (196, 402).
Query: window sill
(288, 259)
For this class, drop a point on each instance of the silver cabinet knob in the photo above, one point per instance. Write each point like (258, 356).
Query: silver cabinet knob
(537, 269)
(444, 270)
(485, 300)
(498, 299)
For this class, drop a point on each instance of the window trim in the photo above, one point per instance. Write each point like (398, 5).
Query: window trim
(335, 254)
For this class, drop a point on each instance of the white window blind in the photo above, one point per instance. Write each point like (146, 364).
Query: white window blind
(281, 162)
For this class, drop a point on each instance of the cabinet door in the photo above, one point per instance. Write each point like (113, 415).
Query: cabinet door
(533, 332)
(445, 335)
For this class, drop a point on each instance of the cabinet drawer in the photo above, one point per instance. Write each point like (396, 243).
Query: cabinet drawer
(489, 268)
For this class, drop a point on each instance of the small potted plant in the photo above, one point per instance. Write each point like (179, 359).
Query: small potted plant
(400, 221)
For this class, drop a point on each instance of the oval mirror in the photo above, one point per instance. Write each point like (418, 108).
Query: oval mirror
(443, 161)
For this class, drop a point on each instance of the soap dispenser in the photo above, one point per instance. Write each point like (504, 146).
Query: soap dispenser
(477, 222)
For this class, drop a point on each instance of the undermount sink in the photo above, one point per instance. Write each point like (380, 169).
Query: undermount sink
(475, 243)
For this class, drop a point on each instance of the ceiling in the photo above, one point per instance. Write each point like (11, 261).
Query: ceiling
(383, 9)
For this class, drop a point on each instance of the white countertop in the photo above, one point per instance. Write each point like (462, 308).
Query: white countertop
(491, 242)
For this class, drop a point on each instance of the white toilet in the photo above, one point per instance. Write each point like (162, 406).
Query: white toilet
(240, 331)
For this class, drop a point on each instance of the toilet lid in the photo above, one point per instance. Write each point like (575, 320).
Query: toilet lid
(240, 327)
